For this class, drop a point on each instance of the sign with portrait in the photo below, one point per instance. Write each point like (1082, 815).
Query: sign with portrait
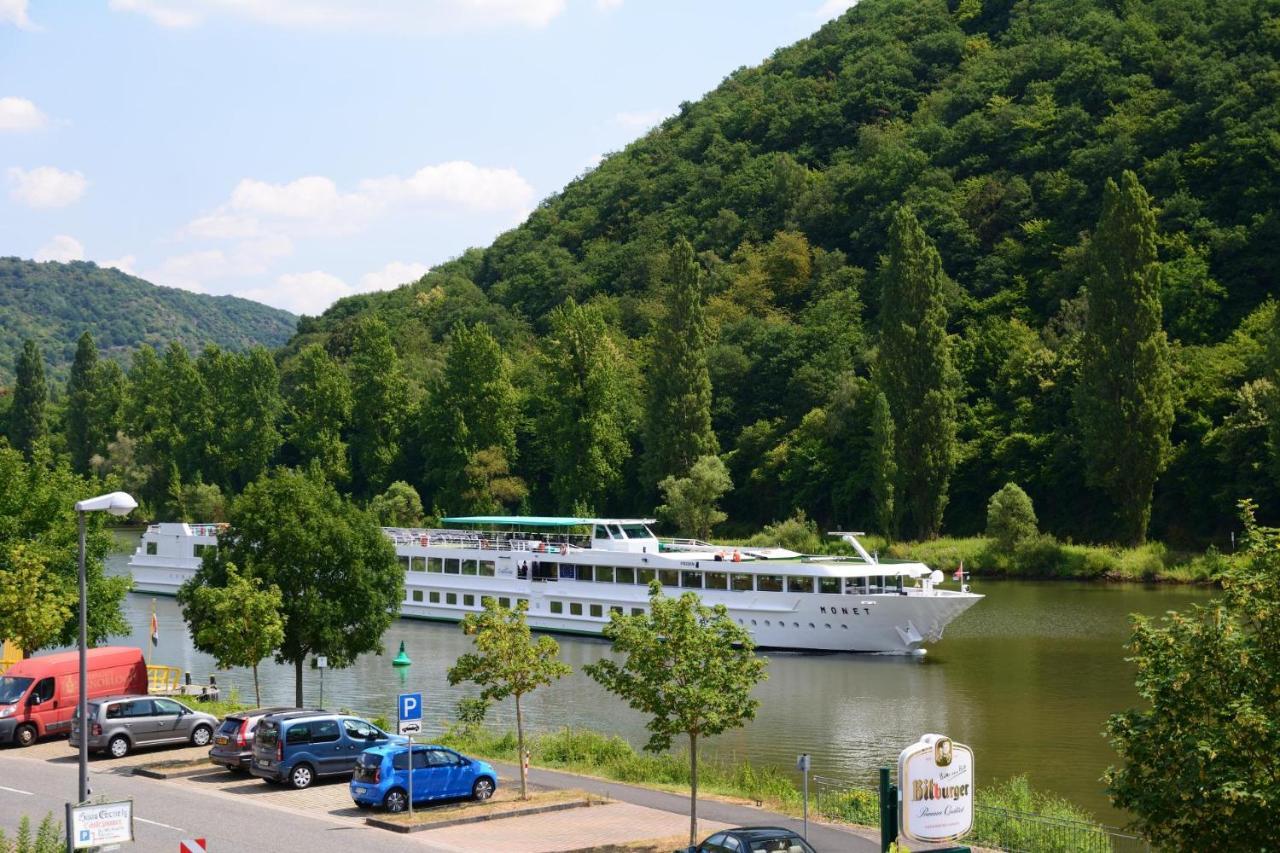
(935, 784)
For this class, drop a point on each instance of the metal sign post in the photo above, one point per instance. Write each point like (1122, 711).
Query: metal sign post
(322, 663)
(802, 764)
(409, 723)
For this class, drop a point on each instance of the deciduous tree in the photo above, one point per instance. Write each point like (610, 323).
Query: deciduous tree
(27, 415)
(35, 603)
(380, 404)
(691, 499)
(318, 404)
(1011, 518)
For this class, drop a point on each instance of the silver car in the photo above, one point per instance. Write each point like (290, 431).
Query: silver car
(119, 724)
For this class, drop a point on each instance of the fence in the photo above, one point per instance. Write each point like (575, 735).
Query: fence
(996, 828)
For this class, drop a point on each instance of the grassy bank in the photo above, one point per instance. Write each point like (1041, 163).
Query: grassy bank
(611, 757)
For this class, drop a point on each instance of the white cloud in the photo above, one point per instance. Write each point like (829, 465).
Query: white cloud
(396, 16)
(391, 276)
(15, 12)
(46, 186)
(606, 5)
(125, 264)
(834, 8)
(194, 270)
(642, 120)
(301, 293)
(19, 114)
(61, 248)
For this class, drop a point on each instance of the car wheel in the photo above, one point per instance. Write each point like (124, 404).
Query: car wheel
(119, 746)
(201, 736)
(25, 735)
(482, 789)
(302, 776)
(395, 801)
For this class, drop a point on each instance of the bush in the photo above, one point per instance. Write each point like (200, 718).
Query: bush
(1011, 519)
(49, 837)
(797, 533)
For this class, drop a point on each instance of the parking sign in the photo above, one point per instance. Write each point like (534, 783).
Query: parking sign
(410, 706)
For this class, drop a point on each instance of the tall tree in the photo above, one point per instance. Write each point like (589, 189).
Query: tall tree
(689, 666)
(244, 410)
(80, 403)
(27, 416)
(915, 372)
(585, 411)
(341, 582)
(35, 603)
(883, 470)
(318, 409)
(1124, 399)
(508, 662)
(691, 500)
(678, 412)
(380, 403)
(105, 417)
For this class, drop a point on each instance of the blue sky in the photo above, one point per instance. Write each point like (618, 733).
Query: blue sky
(296, 151)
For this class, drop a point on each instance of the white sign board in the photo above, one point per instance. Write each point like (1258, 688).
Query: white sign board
(102, 823)
(322, 662)
(935, 784)
(410, 727)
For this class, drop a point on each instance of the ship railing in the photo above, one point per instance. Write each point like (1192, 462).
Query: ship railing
(486, 541)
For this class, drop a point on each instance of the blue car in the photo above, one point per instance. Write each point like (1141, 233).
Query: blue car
(382, 776)
(300, 746)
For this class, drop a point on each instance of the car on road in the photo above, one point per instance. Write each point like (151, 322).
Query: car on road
(752, 839)
(300, 746)
(39, 695)
(381, 776)
(120, 724)
(233, 740)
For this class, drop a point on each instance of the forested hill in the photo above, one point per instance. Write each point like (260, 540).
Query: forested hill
(54, 303)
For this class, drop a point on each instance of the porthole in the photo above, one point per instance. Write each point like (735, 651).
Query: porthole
(753, 621)
(766, 623)
(810, 624)
(795, 624)
(827, 626)
(846, 627)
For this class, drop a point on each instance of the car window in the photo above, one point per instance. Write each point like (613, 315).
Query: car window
(437, 758)
(167, 707)
(325, 731)
(780, 845)
(420, 759)
(731, 843)
(359, 730)
(137, 708)
(115, 712)
(42, 692)
(298, 733)
(400, 761)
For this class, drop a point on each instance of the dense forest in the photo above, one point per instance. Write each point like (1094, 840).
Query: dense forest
(935, 248)
(52, 303)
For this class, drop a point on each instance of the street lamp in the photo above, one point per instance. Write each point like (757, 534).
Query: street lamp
(116, 503)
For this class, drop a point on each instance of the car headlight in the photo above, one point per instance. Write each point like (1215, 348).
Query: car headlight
(6, 711)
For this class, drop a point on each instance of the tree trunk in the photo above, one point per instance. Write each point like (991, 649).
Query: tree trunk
(297, 682)
(693, 789)
(524, 782)
(257, 694)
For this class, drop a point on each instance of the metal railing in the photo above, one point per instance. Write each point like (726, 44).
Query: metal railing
(164, 679)
(9, 655)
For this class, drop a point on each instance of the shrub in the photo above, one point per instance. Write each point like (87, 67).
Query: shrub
(1011, 519)
(798, 533)
(48, 838)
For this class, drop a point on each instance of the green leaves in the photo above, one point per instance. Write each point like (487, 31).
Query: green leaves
(691, 500)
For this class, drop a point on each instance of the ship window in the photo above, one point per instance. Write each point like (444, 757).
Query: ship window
(404, 563)
(637, 611)
(417, 595)
(846, 627)
(198, 549)
(637, 531)
(691, 580)
(469, 567)
(597, 610)
(717, 580)
(151, 549)
(486, 568)
(435, 564)
(450, 598)
(799, 584)
(575, 608)
(829, 586)
(669, 577)
(769, 583)
(615, 531)
(753, 621)
(742, 583)
(766, 623)
(827, 625)
(557, 607)
(468, 601)
(604, 574)
(451, 565)
(567, 572)
(613, 610)
(417, 564)
(504, 603)
(625, 574)
(601, 532)
(435, 598)
(645, 576)
(810, 624)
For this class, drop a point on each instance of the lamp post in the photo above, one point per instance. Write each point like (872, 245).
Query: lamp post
(116, 503)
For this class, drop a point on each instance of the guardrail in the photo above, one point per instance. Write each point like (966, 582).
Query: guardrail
(164, 680)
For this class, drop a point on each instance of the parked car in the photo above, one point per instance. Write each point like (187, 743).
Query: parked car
(752, 839)
(120, 724)
(38, 696)
(381, 776)
(299, 746)
(233, 741)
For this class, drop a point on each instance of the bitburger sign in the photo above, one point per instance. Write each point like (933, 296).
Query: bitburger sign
(935, 784)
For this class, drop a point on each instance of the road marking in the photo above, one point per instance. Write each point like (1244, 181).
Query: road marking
(16, 791)
(158, 823)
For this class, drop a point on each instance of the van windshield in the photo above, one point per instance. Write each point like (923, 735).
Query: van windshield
(12, 688)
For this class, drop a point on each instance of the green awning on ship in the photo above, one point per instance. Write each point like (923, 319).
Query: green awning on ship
(535, 520)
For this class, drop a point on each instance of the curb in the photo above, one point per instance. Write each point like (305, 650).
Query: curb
(422, 827)
(152, 771)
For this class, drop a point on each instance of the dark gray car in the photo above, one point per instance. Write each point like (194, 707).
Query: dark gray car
(120, 724)
(233, 741)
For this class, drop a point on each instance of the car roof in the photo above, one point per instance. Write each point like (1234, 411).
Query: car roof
(290, 716)
(762, 831)
(119, 697)
(401, 745)
(261, 712)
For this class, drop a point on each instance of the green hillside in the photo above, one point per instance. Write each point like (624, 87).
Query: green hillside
(54, 303)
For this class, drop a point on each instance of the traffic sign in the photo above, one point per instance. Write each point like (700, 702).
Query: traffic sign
(410, 727)
(192, 845)
(410, 706)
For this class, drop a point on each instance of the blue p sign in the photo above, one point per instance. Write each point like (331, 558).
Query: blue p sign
(410, 706)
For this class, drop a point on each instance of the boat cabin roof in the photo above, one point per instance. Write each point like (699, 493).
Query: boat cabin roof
(540, 520)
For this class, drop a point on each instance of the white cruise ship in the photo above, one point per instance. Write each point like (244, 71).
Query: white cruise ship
(574, 572)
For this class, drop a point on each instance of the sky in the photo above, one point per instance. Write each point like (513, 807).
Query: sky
(297, 151)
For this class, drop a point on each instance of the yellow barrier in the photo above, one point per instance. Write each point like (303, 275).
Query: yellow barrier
(9, 655)
(164, 679)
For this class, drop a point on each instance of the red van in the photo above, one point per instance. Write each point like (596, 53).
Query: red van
(38, 696)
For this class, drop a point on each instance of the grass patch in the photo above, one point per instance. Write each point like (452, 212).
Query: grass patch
(503, 802)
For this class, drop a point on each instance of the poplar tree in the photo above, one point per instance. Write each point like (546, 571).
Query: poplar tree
(883, 469)
(27, 417)
(380, 402)
(585, 415)
(678, 412)
(915, 373)
(80, 399)
(318, 409)
(1124, 399)
(244, 411)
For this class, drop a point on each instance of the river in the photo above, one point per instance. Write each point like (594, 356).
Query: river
(1027, 678)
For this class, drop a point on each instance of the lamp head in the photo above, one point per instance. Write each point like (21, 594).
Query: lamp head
(116, 503)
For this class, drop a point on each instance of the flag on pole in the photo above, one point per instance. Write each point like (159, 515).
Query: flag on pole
(155, 626)
(959, 573)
